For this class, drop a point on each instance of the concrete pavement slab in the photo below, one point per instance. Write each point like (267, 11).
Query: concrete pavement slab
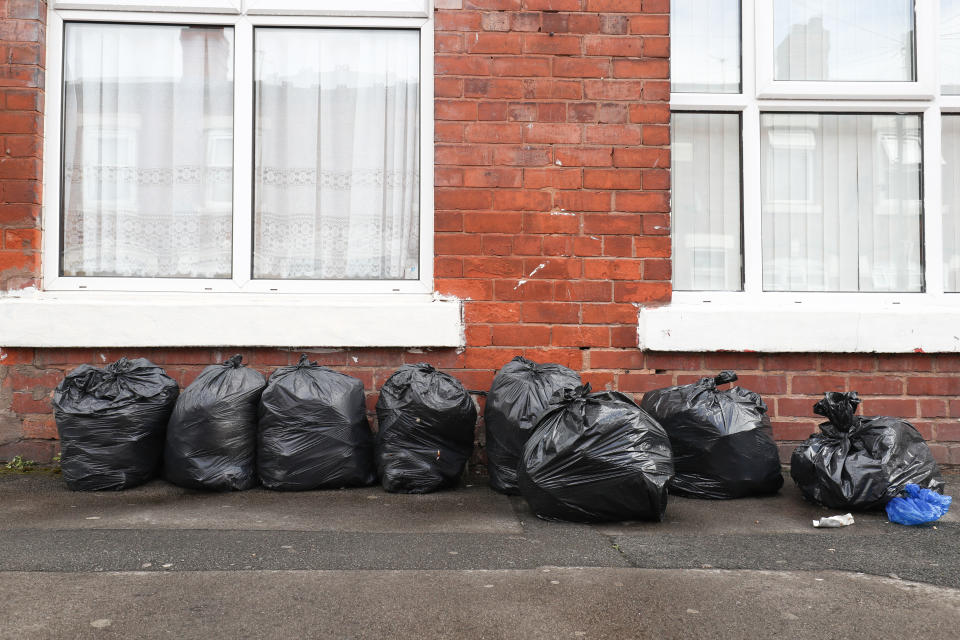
(542, 603)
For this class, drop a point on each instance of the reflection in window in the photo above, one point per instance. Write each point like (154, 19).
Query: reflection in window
(840, 202)
(705, 46)
(853, 40)
(950, 146)
(950, 46)
(137, 176)
(705, 166)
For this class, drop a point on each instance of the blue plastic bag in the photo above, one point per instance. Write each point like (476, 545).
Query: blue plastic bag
(918, 507)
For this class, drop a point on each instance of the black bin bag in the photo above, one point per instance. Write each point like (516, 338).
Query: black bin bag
(427, 422)
(212, 434)
(595, 457)
(858, 462)
(520, 392)
(313, 431)
(112, 423)
(722, 441)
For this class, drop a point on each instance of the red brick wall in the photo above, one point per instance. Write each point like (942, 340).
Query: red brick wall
(21, 137)
(552, 130)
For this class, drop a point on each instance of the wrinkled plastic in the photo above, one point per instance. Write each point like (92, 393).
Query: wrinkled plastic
(427, 422)
(596, 457)
(520, 392)
(722, 441)
(861, 463)
(112, 423)
(313, 431)
(918, 506)
(212, 434)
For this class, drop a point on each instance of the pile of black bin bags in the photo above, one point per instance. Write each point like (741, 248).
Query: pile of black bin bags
(861, 463)
(722, 441)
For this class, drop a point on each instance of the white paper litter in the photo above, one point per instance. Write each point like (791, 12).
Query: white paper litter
(833, 522)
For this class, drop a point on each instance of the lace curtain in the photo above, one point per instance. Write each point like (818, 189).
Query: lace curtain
(337, 154)
(147, 151)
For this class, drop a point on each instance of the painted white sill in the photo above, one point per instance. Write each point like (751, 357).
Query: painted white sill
(86, 319)
(797, 328)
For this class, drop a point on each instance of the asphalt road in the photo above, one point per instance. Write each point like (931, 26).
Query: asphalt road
(158, 561)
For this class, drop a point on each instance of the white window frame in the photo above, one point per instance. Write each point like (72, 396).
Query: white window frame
(783, 321)
(171, 312)
(243, 26)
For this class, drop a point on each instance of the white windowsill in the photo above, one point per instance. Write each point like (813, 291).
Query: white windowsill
(87, 319)
(813, 327)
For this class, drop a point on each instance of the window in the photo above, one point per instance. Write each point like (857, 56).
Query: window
(815, 204)
(274, 147)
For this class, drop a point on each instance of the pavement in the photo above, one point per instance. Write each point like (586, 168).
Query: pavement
(159, 561)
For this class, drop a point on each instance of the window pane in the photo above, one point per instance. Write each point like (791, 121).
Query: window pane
(840, 202)
(705, 164)
(950, 46)
(147, 151)
(337, 154)
(853, 40)
(705, 46)
(950, 146)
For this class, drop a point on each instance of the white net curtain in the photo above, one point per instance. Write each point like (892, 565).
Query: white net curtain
(336, 179)
(147, 151)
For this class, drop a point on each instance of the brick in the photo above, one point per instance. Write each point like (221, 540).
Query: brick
(584, 156)
(645, 68)
(19, 214)
(550, 44)
(650, 25)
(552, 133)
(551, 312)
(618, 246)
(651, 246)
(555, 89)
(603, 45)
(21, 239)
(447, 87)
(521, 335)
(462, 155)
(640, 157)
(933, 408)
(448, 43)
(641, 291)
(27, 403)
(524, 156)
(520, 111)
(492, 177)
(848, 362)
(495, 21)
(572, 358)
(492, 267)
(614, 6)
(763, 384)
(477, 335)
(447, 132)
(465, 288)
(527, 21)
(447, 177)
(584, 112)
(494, 132)
(492, 312)
(492, 88)
(893, 407)
(497, 245)
(448, 221)
(455, 110)
(583, 291)
(581, 336)
(656, 47)
(522, 67)
(933, 386)
(494, 43)
(11, 356)
(926, 429)
(612, 89)
(674, 361)
(555, 22)
(817, 385)
(554, 267)
(606, 269)
(19, 262)
(905, 362)
(444, 267)
(613, 134)
(527, 245)
(560, 246)
(550, 223)
(612, 113)
(587, 246)
(791, 362)
(794, 407)
(493, 5)
(650, 113)
(612, 178)
(654, 179)
(730, 361)
(581, 67)
(613, 25)
(553, 5)
(523, 289)
(793, 430)
(582, 200)
(609, 313)
(877, 385)
(521, 200)
(599, 380)
(654, 134)
(457, 244)
(613, 223)
(463, 199)
(950, 432)
(40, 427)
(556, 178)
(27, 378)
(551, 112)
(627, 359)
(948, 362)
